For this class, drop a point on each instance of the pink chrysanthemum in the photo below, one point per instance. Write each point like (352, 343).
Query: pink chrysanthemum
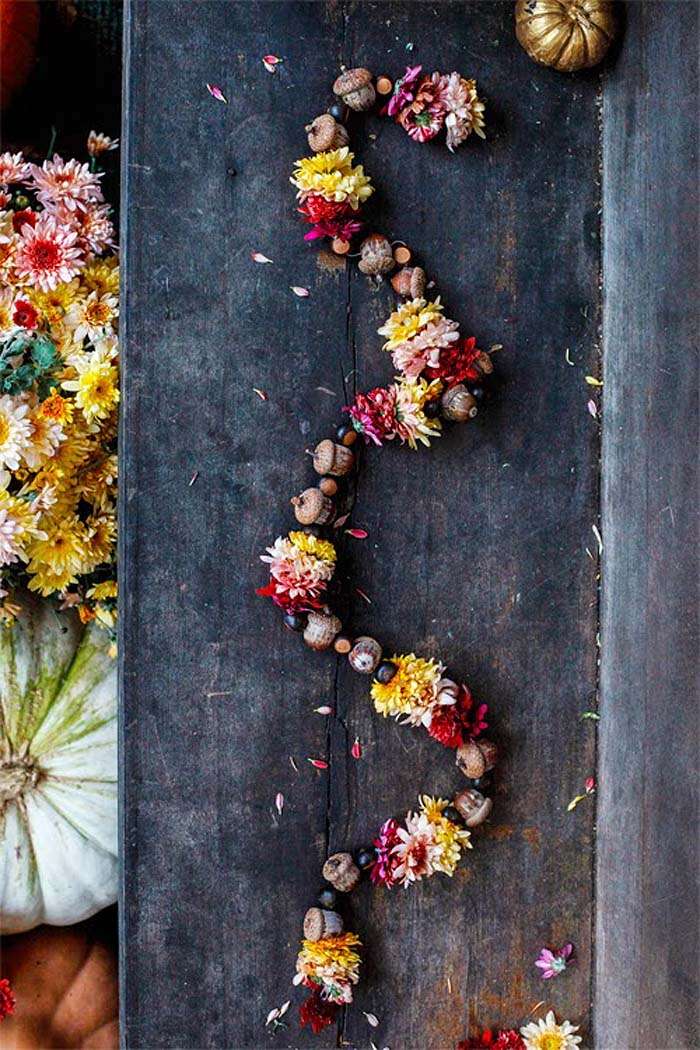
(65, 182)
(13, 168)
(403, 91)
(423, 118)
(382, 873)
(374, 414)
(300, 568)
(554, 962)
(423, 349)
(47, 254)
(416, 851)
(91, 223)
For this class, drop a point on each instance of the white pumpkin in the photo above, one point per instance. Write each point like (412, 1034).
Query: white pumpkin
(58, 770)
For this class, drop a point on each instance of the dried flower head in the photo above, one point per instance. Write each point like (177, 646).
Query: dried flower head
(374, 414)
(414, 686)
(332, 176)
(548, 1035)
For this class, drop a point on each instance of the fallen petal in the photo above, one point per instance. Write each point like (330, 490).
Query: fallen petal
(358, 534)
(592, 408)
(272, 1016)
(371, 1019)
(356, 749)
(318, 763)
(284, 1007)
(324, 710)
(216, 92)
(301, 292)
(279, 802)
(261, 393)
(258, 257)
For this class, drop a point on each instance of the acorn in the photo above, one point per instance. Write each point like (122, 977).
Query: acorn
(342, 872)
(458, 404)
(365, 655)
(376, 256)
(386, 671)
(321, 629)
(320, 923)
(355, 88)
(328, 486)
(312, 507)
(476, 757)
(472, 806)
(409, 282)
(326, 133)
(330, 458)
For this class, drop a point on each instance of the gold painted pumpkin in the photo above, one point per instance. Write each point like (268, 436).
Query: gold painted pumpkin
(565, 34)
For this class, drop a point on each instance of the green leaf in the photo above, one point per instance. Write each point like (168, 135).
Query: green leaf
(591, 714)
(18, 380)
(44, 354)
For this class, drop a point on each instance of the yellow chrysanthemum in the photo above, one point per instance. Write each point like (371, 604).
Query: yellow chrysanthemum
(18, 524)
(413, 685)
(100, 537)
(98, 481)
(44, 580)
(408, 320)
(96, 386)
(62, 550)
(56, 409)
(412, 423)
(335, 957)
(309, 544)
(450, 838)
(52, 305)
(101, 276)
(103, 591)
(332, 175)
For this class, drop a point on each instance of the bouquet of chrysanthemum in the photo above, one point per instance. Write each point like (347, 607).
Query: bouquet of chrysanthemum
(59, 384)
(331, 192)
(424, 105)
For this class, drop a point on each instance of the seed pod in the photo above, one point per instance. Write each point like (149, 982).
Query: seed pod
(386, 671)
(328, 486)
(409, 282)
(484, 363)
(342, 644)
(342, 872)
(376, 256)
(320, 923)
(458, 404)
(355, 88)
(476, 757)
(365, 655)
(472, 806)
(321, 628)
(325, 133)
(312, 507)
(330, 458)
(384, 85)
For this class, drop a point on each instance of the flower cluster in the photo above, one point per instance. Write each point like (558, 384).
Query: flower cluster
(331, 191)
(7, 999)
(59, 384)
(538, 1035)
(397, 411)
(330, 966)
(503, 1039)
(423, 105)
(427, 843)
(301, 566)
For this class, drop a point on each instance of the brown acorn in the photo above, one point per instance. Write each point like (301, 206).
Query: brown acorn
(458, 404)
(330, 458)
(365, 655)
(326, 133)
(318, 923)
(328, 486)
(409, 282)
(342, 872)
(476, 757)
(472, 807)
(355, 88)
(376, 256)
(311, 507)
(321, 628)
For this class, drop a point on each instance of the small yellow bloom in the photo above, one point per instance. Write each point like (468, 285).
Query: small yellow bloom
(332, 175)
(56, 409)
(103, 591)
(449, 838)
(96, 387)
(413, 685)
(52, 305)
(408, 320)
(101, 276)
(309, 544)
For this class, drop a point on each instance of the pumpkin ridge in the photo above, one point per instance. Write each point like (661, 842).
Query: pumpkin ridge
(34, 874)
(71, 824)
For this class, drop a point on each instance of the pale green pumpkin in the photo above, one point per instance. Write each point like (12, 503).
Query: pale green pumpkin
(58, 770)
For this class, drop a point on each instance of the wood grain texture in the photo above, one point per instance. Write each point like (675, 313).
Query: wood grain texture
(477, 548)
(647, 861)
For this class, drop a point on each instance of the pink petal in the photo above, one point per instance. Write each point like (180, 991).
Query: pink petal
(271, 62)
(356, 749)
(358, 534)
(258, 257)
(301, 292)
(566, 951)
(324, 710)
(363, 595)
(590, 784)
(216, 92)
(279, 802)
(318, 763)
(592, 409)
(261, 393)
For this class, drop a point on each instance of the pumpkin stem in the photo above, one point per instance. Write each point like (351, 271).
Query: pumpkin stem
(16, 777)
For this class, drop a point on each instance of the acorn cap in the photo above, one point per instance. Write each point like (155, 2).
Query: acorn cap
(342, 872)
(321, 628)
(325, 133)
(473, 807)
(470, 760)
(312, 506)
(376, 255)
(351, 80)
(409, 282)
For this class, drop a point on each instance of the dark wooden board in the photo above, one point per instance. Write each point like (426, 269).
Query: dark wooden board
(477, 548)
(646, 988)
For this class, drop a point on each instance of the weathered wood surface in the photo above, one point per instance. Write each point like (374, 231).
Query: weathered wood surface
(477, 548)
(647, 849)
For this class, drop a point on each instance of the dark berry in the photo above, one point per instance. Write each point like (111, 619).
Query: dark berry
(478, 392)
(346, 434)
(365, 857)
(337, 111)
(452, 814)
(431, 409)
(327, 897)
(482, 783)
(386, 671)
(294, 621)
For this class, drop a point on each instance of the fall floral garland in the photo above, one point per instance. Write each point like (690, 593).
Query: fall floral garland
(440, 377)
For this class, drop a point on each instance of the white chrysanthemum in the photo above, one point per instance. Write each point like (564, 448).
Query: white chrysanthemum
(46, 435)
(94, 317)
(416, 850)
(15, 430)
(548, 1035)
(7, 302)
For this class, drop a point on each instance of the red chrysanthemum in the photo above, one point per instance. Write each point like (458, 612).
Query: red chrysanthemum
(7, 999)
(374, 414)
(318, 1013)
(24, 314)
(457, 363)
(382, 873)
(508, 1039)
(454, 724)
(424, 116)
(317, 209)
(21, 217)
(281, 598)
(477, 1042)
